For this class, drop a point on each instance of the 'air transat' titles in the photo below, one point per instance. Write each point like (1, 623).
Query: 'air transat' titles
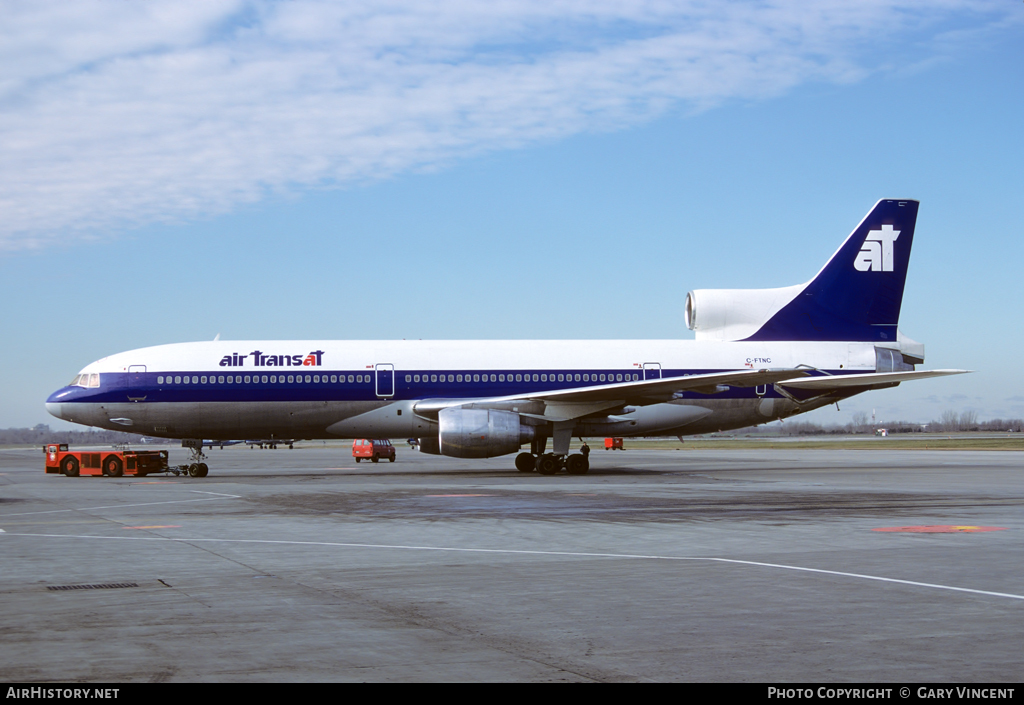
(260, 359)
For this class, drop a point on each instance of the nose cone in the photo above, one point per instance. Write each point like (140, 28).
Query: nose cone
(55, 404)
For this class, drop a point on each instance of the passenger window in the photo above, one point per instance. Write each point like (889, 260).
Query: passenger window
(307, 378)
(264, 379)
(159, 380)
(334, 379)
(247, 379)
(203, 379)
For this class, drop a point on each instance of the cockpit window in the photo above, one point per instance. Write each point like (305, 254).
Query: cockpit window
(83, 380)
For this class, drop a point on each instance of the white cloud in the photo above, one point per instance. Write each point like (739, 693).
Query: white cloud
(116, 114)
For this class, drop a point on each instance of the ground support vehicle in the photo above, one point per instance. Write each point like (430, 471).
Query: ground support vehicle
(114, 463)
(373, 448)
(109, 463)
(613, 444)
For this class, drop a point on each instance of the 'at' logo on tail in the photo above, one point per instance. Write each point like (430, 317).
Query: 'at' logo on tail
(876, 253)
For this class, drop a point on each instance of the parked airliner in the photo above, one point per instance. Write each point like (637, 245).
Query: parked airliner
(759, 355)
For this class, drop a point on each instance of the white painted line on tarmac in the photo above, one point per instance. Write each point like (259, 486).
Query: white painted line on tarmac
(510, 551)
(125, 506)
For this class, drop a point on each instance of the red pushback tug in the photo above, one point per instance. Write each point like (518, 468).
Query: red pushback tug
(109, 463)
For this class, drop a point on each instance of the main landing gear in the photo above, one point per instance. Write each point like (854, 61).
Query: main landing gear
(539, 460)
(550, 463)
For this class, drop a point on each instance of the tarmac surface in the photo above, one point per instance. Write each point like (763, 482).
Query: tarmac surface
(660, 565)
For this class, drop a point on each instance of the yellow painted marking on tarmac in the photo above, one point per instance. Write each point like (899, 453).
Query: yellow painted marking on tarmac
(940, 529)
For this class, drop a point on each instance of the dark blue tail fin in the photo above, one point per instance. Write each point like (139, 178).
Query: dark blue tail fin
(858, 293)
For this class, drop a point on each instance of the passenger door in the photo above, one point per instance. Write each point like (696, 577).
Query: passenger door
(385, 380)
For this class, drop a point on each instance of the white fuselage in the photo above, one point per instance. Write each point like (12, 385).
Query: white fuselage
(345, 389)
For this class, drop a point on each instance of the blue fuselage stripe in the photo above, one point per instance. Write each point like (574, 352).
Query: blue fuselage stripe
(432, 384)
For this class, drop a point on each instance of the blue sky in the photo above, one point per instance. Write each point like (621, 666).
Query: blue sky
(498, 170)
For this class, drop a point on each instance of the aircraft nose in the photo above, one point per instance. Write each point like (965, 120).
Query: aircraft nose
(55, 409)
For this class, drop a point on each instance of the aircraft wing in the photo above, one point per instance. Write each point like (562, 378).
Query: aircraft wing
(664, 388)
(870, 379)
(565, 404)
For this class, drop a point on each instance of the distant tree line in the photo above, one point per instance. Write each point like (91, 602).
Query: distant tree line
(42, 434)
(950, 421)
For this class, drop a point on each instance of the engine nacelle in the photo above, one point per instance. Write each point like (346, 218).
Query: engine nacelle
(734, 314)
(480, 433)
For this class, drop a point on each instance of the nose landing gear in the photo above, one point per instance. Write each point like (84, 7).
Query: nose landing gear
(196, 468)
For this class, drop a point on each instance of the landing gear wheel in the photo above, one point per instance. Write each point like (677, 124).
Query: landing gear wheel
(69, 466)
(112, 467)
(204, 470)
(525, 462)
(577, 465)
(193, 470)
(548, 464)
